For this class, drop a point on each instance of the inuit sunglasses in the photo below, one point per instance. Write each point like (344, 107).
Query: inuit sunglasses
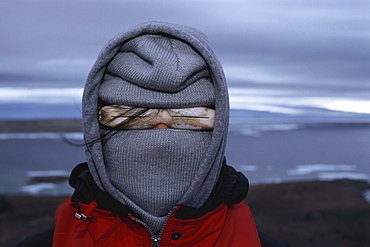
(128, 117)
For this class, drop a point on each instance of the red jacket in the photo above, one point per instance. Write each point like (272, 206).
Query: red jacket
(227, 225)
(91, 217)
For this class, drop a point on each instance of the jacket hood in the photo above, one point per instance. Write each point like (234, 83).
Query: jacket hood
(209, 169)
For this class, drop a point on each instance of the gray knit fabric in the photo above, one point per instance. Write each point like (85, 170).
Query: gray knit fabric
(112, 82)
(154, 168)
(157, 71)
(158, 63)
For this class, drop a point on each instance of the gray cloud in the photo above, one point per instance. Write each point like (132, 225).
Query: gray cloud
(306, 44)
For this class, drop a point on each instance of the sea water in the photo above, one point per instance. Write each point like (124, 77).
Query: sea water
(264, 153)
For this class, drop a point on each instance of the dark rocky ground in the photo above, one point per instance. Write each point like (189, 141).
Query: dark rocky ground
(313, 213)
(299, 214)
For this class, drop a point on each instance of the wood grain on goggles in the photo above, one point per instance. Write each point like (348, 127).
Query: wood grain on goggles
(128, 117)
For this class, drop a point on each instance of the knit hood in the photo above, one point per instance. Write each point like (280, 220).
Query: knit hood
(209, 168)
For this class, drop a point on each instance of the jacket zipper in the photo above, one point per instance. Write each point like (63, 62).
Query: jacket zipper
(155, 242)
(156, 239)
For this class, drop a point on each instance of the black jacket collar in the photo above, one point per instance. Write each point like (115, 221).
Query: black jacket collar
(231, 188)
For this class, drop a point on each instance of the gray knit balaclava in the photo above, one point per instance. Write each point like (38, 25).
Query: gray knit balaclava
(156, 65)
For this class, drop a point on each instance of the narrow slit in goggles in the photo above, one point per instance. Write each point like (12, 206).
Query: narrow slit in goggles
(128, 117)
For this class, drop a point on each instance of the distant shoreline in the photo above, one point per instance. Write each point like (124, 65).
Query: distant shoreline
(75, 125)
(36, 126)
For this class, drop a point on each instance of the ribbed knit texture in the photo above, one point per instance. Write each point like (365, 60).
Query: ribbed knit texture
(110, 86)
(154, 168)
(158, 63)
(157, 71)
(114, 89)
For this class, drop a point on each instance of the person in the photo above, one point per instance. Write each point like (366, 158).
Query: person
(155, 121)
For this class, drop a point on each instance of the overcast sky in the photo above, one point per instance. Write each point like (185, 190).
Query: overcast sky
(313, 49)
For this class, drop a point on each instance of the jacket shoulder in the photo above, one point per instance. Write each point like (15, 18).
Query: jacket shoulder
(239, 228)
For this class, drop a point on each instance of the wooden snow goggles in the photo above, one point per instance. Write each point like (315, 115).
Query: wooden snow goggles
(128, 117)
